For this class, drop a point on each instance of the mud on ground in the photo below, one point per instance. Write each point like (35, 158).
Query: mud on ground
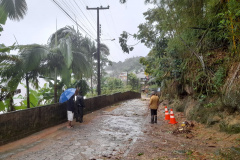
(195, 141)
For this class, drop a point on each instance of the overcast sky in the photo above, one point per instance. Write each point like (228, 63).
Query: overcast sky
(40, 23)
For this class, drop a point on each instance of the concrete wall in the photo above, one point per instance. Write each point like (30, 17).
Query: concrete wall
(18, 124)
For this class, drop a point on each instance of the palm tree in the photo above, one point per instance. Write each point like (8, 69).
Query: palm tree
(15, 9)
(104, 50)
(33, 57)
(65, 45)
(26, 65)
(89, 49)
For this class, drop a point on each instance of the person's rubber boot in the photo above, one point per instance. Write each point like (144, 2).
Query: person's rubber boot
(152, 119)
(155, 119)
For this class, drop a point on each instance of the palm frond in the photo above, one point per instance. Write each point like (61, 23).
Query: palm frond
(80, 65)
(61, 34)
(32, 55)
(8, 58)
(66, 49)
(66, 75)
(16, 9)
(104, 49)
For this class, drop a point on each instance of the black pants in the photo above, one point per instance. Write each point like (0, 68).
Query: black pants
(79, 114)
(153, 112)
(153, 116)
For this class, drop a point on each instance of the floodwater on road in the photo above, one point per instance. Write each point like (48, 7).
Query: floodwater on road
(108, 134)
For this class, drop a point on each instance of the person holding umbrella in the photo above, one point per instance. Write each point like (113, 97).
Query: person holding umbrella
(68, 96)
(70, 111)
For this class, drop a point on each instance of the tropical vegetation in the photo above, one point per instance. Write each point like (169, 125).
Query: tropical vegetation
(194, 53)
(68, 60)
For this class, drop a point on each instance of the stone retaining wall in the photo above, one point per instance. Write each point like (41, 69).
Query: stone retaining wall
(18, 124)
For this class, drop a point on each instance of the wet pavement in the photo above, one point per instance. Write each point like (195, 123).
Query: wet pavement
(122, 131)
(105, 134)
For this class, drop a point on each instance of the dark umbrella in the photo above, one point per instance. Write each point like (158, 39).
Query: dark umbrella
(67, 94)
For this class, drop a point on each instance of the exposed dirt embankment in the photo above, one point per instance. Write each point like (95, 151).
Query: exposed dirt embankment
(191, 140)
(231, 88)
(210, 112)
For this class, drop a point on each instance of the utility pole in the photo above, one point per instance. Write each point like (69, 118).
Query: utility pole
(55, 70)
(98, 48)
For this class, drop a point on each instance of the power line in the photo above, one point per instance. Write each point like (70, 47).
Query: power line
(72, 19)
(98, 47)
(109, 29)
(71, 10)
(107, 34)
(84, 15)
(65, 4)
(90, 13)
(113, 22)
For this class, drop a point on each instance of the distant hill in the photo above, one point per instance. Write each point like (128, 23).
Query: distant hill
(129, 65)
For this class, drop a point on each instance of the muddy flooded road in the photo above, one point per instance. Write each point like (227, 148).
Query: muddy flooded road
(123, 131)
(107, 133)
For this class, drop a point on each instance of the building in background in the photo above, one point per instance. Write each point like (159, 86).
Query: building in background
(123, 76)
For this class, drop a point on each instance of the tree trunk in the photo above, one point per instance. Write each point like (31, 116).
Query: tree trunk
(91, 85)
(199, 57)
(27, 85)
(91, 75)
(55, 86)
(11, 102)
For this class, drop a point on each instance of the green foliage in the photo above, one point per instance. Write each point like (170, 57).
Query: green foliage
(140, 154)
(35, 98)
(231, 153)
(218, 78)
(69, 56)
(209, 105)
(47, 93)
(148, 62)
(82, 85)
(4, 105)
(229, 23)
(3, 15)
(15, 10)
(233, 129)
(153, 87)
(112, 85)
(72, 57)
(122, 1)
(123, 42)
(133, 82)
(181, 44)
(6, 49)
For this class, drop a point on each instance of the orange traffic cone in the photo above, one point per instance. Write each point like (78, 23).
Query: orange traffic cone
(167, 116)
(166, 108)
(172, 119)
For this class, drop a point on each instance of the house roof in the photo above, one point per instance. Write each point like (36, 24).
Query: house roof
(141, 75)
